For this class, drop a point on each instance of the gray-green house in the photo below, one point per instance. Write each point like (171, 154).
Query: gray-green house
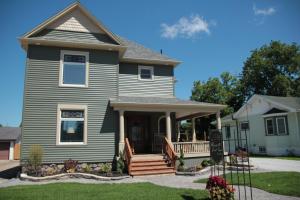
(87, 90)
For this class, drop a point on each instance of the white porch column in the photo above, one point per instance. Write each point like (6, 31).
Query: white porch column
(121, 130)
(178, 131)
(168, 125)
(194, 130)
(219, 126)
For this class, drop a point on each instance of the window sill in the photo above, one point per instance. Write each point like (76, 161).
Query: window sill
(146, 79)
(71, 144)
(73, 86)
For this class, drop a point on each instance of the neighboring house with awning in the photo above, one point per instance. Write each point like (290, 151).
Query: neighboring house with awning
(10, 143)
(271, 124)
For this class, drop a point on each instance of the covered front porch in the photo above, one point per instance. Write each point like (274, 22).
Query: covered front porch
(146, 122)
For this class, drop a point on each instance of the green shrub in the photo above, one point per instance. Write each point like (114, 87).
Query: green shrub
(181, 161)
(87, 169)
(105, 168)
(121, 163)
(35, 157)
(205, 163)
(233, 159)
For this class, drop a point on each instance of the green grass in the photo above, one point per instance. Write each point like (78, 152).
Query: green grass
(277, 157)
(284, 183)
(77, 191)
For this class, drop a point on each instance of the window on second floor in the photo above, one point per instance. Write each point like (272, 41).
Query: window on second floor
(146, 73)
(74, 69)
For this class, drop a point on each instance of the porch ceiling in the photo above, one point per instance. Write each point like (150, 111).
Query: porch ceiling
(183, 108)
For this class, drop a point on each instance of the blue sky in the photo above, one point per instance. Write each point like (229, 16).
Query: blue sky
(209, 37)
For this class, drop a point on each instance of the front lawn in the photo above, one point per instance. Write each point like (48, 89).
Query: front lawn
(77, 191)
(285, 183)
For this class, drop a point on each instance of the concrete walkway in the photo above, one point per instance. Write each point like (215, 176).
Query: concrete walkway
(8, 164)
(272, 164)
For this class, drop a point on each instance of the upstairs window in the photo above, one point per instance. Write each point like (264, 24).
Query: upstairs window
(146, 73)
(74, 69)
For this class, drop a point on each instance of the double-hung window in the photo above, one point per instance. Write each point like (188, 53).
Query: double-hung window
(71, 125)
(276, 125)
(74, 68)
(146, 73)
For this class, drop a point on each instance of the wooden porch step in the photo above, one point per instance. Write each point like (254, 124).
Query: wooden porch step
(149, 163)
(152, 172)
(150, 168)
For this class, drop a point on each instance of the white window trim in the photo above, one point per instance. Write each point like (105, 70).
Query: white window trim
(267, 127)
(61, 68)
(58, 122)
(285, 129)
(151, 68)
(275, 115)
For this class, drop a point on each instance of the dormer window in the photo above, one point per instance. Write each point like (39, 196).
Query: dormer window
(146, 73)
(74, 69)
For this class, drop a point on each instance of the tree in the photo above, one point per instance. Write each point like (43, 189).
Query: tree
(273, 69)
(223, 90)
(0, 125)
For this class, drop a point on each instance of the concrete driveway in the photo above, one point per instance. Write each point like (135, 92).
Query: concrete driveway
(271, 164)
(8, 164)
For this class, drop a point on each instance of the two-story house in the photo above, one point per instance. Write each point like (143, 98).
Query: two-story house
(90, 93)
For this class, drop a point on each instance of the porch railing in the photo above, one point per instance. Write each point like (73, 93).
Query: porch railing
(191, 147)
(170, 153)
(128, 155)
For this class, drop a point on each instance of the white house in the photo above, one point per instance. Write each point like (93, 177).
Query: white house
(271, 125)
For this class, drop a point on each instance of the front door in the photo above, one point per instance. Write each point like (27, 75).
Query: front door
(138, 134)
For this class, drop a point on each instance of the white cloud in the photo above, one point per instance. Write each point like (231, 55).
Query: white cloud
(264, 12)
(186, 27)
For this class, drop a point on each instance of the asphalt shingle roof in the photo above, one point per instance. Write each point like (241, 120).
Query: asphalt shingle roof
(292, 102)
(158, 100)
(138, 51)
(10, 133)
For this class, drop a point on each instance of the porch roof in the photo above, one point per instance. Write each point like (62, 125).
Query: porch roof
(183, 108)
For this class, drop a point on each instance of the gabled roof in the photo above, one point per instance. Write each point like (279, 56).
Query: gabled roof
(129, 51)
(274, 111)
(291, 104)
(70, 8)
(10, 133)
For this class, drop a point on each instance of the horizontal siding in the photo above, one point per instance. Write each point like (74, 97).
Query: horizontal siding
(130, 85)
(73, 36)
(42, 95)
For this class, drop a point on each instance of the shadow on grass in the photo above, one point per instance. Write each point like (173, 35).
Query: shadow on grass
(189, 197)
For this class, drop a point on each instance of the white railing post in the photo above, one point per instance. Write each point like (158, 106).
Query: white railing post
(194, 130)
